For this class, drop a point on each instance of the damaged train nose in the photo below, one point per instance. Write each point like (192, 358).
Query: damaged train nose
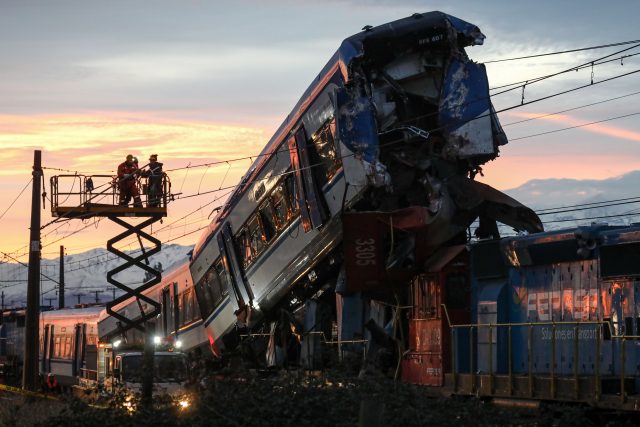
(415, 124)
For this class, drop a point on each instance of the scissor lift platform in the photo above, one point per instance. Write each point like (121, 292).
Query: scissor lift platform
(88, 196)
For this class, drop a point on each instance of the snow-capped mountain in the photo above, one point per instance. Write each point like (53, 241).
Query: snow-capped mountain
(542, 195)
(84, 274)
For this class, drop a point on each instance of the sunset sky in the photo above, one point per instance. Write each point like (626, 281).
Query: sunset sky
(89, 82)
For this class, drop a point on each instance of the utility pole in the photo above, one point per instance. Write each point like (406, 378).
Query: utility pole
(31, 341)
(114, 293)
(97, 297)
(61, 284)
(50, 299)
(2, 309)
(79, 296)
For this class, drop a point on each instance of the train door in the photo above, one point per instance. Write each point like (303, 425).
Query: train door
(78, 349)
(423, 363)
(49, 352)
(311, 208)
(45, 348)
(233, 272)
(176, 307)
(166, 312)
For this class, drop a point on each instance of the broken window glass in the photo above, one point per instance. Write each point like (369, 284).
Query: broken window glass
(325, 159)
(268, 221)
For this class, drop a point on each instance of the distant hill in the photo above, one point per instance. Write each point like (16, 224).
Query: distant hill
(84, 274)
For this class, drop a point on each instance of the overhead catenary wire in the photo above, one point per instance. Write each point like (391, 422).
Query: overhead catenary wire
(16, 199)
(576, 126)
(581, 49)
(541, 116)
(589, 64)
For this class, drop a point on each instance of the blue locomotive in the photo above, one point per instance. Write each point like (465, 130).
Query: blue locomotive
(547, 316)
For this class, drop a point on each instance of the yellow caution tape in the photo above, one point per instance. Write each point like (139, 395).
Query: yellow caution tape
(24, 392)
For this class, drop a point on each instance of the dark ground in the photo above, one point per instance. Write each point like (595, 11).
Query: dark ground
(289, 399)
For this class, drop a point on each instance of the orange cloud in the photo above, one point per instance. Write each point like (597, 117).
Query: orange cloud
(97, 143)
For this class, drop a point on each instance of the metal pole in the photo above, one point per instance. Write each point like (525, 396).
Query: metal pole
(61, 285)
(490, 359)
(598, 337)
(148, 368)
(576, 361)
(530, 348)
(510, 365)
(553, 361)
(30, 369)
(623, 396)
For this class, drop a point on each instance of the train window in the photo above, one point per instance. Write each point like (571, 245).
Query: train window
(244, 248)
(280, 208)
(210, 291)
(250, 241)
(267, 220)
(187, 306)
(205, 299)
(180, 309)
(291, 191)
(254, 232)
(325, 153)
(67, 347)
(222, 275)
(57, 344)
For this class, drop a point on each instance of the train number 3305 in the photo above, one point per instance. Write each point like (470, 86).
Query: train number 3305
(365, 252)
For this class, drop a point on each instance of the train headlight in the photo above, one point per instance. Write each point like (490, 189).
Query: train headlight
(157, 340)
(178, 344)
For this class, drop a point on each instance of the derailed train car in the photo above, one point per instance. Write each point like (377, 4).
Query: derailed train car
(549, 316)
(371, 173)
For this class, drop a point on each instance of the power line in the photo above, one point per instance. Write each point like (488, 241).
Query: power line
(16, 199)
(562, 52)
(570, 109)
(591, 203)
(26, 265)
(588, 208)
(590, 64)
(590, 218)
(575, 127)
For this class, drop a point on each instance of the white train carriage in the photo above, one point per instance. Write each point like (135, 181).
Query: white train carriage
(69, 344)
(179, 324)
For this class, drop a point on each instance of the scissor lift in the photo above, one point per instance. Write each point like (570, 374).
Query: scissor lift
(90, 196)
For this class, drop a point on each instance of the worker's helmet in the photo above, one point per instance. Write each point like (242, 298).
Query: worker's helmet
(153, 157)
(129, 157)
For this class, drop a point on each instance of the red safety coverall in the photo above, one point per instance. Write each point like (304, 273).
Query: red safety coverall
(128, 186)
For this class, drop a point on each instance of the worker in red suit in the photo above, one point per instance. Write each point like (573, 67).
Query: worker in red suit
(127, 183)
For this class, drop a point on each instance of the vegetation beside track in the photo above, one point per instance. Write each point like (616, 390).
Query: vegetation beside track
(292, 399)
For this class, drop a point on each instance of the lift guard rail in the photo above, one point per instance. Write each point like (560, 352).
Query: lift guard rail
(73, 194)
